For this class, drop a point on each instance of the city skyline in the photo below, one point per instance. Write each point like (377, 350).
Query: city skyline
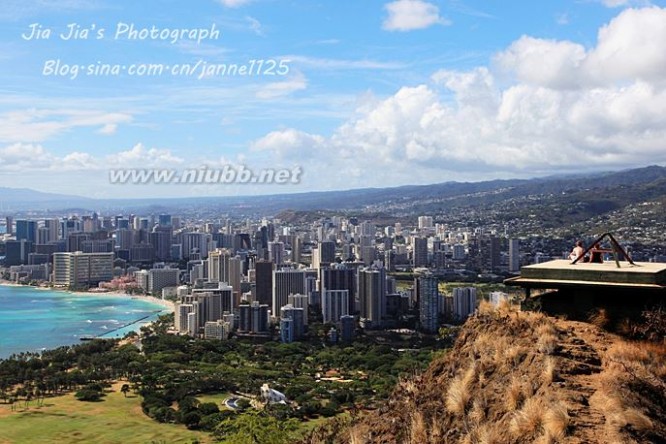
(371, 94)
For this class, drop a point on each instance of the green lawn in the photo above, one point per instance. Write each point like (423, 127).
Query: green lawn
(63, 419)
(217, 398)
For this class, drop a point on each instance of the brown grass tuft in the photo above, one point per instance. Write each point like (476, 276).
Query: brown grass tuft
(527, 420)
(548, 374)
(514, 395)
(556, 421)
(458, 395)
(418, 432)
(600, 318)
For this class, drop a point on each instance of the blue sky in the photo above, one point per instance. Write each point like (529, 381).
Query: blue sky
(378, 93)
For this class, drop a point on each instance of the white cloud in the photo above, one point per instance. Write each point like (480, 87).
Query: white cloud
(544, 106)
(38, 125)
(283, 88)
(407, 15)
(140, 156)
(255, 25)
(341, 64)
(234, 3)
(631, 47)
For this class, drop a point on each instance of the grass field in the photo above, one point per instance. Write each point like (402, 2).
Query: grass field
(63, 419)
(217, 398)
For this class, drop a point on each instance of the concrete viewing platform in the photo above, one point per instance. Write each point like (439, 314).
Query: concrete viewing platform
(562, 274)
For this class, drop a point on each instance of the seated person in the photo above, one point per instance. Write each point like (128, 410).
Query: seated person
(597, 254)
(577, 252)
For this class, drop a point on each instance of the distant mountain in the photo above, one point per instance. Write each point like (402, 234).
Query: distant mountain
(588, 194)
(15, 199)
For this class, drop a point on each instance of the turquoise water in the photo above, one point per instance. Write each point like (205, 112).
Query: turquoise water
(34, 320)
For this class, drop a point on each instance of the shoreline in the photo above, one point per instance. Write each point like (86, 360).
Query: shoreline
(165, 304)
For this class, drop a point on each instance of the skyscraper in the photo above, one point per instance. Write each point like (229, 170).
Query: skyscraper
(77, 268)
(276, 253)
(264, 281)
(372, 295)
(428, 303)
(420, 253)
(26, 230)
(514, 255)
(340, 277)
(285, 282)
(334, 304)
(464, 302)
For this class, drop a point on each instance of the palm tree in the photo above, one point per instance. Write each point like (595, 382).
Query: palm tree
(125, 389)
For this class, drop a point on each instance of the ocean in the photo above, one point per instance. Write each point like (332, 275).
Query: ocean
(35, 320)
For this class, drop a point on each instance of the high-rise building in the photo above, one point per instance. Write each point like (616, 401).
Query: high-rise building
(428, 303)
(276, 253)
(161, 238)
(300, 301)
(425, 222)
(159, 278)
(264, 281)
(340, 277)
(9, 225)
(287, 334)
(82, 269)
(334, 305)
(218, 265)
(326, 252)
(17, 252)
(296, 315)
(26, 230)
(420, 252)
(372, 295)
(180, 316)
(514, 255)
(253, 318)
(285, 282)
(464, 302)
(347, 328)
(217, 330)
(53, 227)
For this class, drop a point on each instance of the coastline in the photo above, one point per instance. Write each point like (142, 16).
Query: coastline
(166, 304)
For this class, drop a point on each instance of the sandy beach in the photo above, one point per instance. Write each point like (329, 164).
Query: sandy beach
(116, 293)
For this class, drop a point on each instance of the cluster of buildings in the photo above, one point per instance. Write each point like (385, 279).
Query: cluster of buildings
(256, 277)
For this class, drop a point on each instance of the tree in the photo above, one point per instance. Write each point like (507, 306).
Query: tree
(125, 389)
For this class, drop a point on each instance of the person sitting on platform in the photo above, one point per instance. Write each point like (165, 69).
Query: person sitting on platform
(577, 252)
(597, 254)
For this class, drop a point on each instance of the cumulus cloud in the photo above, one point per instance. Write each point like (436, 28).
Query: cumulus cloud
(408, 15)
(140, 156)
(542, 106)
(35, 157)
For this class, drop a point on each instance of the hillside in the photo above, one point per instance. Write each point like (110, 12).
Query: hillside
(515, 377)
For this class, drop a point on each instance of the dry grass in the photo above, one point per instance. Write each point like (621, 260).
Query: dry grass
(459, 392)
(556, 421)
(549, 372)
(514, 395)
(527, 420)
(477, 414)
(418, 432)
(599, 318)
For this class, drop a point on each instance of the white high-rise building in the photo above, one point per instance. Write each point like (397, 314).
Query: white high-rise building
(77, 268)
(180, 316)
(464, 302)
(334, 304)
(514, 255)
(425, 222)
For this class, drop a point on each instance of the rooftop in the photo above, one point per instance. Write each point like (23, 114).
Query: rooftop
(561, 273)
